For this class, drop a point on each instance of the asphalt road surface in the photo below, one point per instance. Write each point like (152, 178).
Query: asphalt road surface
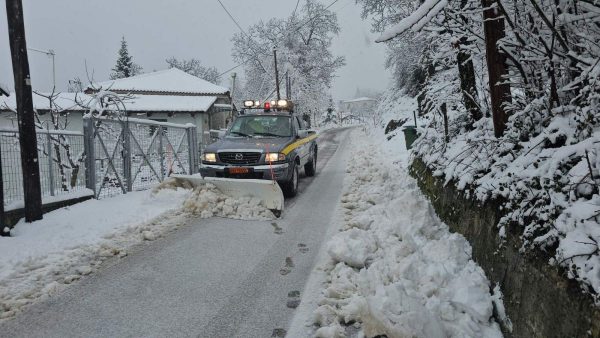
(211, 278)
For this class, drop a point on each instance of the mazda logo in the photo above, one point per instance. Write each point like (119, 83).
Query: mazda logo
(239, 156)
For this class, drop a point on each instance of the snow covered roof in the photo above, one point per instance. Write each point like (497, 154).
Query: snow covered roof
(360, 99)
(173, 81)
(64, 101)
(4, 89)
(170, 103)
(74, 102)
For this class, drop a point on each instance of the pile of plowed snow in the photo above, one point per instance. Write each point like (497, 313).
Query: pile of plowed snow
(44, 256)
(395, 269)
(207, 201)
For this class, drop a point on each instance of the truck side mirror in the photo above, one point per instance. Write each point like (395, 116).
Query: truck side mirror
(303, 133)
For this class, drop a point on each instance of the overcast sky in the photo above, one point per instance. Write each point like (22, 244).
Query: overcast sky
(90, 31)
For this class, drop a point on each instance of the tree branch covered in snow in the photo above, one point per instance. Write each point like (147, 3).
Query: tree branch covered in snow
(195, 67)
(303, 43)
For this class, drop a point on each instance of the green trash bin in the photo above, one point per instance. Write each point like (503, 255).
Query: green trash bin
(410, 135)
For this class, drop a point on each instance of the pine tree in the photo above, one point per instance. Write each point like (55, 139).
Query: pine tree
(125, 66)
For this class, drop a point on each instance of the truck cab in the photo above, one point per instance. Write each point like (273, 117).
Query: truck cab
(266, 141)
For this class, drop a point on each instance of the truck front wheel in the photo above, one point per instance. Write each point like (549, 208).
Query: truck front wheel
(290, 188)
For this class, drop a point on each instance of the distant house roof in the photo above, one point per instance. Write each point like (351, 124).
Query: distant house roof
(170, 103)
(4, 89)
(360, 99)
(141, 103)
(169, 81)
(63, 101)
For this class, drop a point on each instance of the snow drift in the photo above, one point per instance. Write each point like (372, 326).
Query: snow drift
(395, 267)
(44, 256)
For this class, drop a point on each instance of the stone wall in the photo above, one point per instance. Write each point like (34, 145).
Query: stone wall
(539, 299)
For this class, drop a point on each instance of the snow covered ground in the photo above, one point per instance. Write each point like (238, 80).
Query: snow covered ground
(44, 256)
(394, 268)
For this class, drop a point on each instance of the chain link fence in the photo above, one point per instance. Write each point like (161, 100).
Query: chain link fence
(61, 162)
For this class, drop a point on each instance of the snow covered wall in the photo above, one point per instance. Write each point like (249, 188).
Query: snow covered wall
(540, 301)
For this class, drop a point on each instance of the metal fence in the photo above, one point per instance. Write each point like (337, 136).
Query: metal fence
(130, 154)
(110, 157)
(61, 161)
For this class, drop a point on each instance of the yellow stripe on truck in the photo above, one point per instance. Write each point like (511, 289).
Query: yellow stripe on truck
(298, 143)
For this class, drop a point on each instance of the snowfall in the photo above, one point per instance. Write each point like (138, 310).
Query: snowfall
(392, 267)
(43, 257)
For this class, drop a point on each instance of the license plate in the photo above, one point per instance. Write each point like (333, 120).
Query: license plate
(238, 170)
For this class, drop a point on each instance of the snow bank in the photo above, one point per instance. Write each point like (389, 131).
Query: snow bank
(41, 257)
(44, 256)
(395, 267)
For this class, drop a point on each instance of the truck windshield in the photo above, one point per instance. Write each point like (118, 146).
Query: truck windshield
(261, 126)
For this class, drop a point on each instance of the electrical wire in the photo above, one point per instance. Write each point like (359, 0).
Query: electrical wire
(296, 29)
(244, 33)
(232, 18)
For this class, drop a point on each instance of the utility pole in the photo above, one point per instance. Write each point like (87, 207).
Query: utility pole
(2, 232)
(287, 85)
(25, 116)
(232, 91)
(276, 74)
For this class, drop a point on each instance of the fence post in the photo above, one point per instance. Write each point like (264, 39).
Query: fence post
(127, 155)
(2, 232)
(90, 154)
(192, 149)
(50, 164)
(161, 152)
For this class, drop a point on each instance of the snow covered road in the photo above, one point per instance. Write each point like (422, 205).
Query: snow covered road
(213, 278)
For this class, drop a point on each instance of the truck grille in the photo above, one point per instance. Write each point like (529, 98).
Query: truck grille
(239, 158)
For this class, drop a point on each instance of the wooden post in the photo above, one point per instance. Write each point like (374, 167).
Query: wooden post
(2, 233)
(493, 26)
(276, 74)
(25, 115)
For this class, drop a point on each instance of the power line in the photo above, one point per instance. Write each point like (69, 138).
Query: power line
(234, 67)
(232, 18)
(314, 17)
(244, 32)
(296, 8)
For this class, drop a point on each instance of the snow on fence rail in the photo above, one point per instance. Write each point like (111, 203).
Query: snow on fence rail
(61, 160)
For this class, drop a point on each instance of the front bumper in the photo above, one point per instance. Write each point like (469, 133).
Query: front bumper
(279, 172)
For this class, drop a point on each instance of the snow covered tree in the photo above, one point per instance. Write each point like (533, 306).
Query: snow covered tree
(543, 156)
(195, 67)
(125, 66)
(303, 43)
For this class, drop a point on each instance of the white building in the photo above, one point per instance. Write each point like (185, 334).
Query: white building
(360, 108)
(169, 95)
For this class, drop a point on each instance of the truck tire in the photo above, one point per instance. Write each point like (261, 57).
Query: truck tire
(290, 188)
(310, 168)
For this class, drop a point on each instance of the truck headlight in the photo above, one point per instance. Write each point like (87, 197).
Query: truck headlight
(274, 157)
(209, 157)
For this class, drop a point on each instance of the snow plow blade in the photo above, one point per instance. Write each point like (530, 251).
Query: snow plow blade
(268, 192)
